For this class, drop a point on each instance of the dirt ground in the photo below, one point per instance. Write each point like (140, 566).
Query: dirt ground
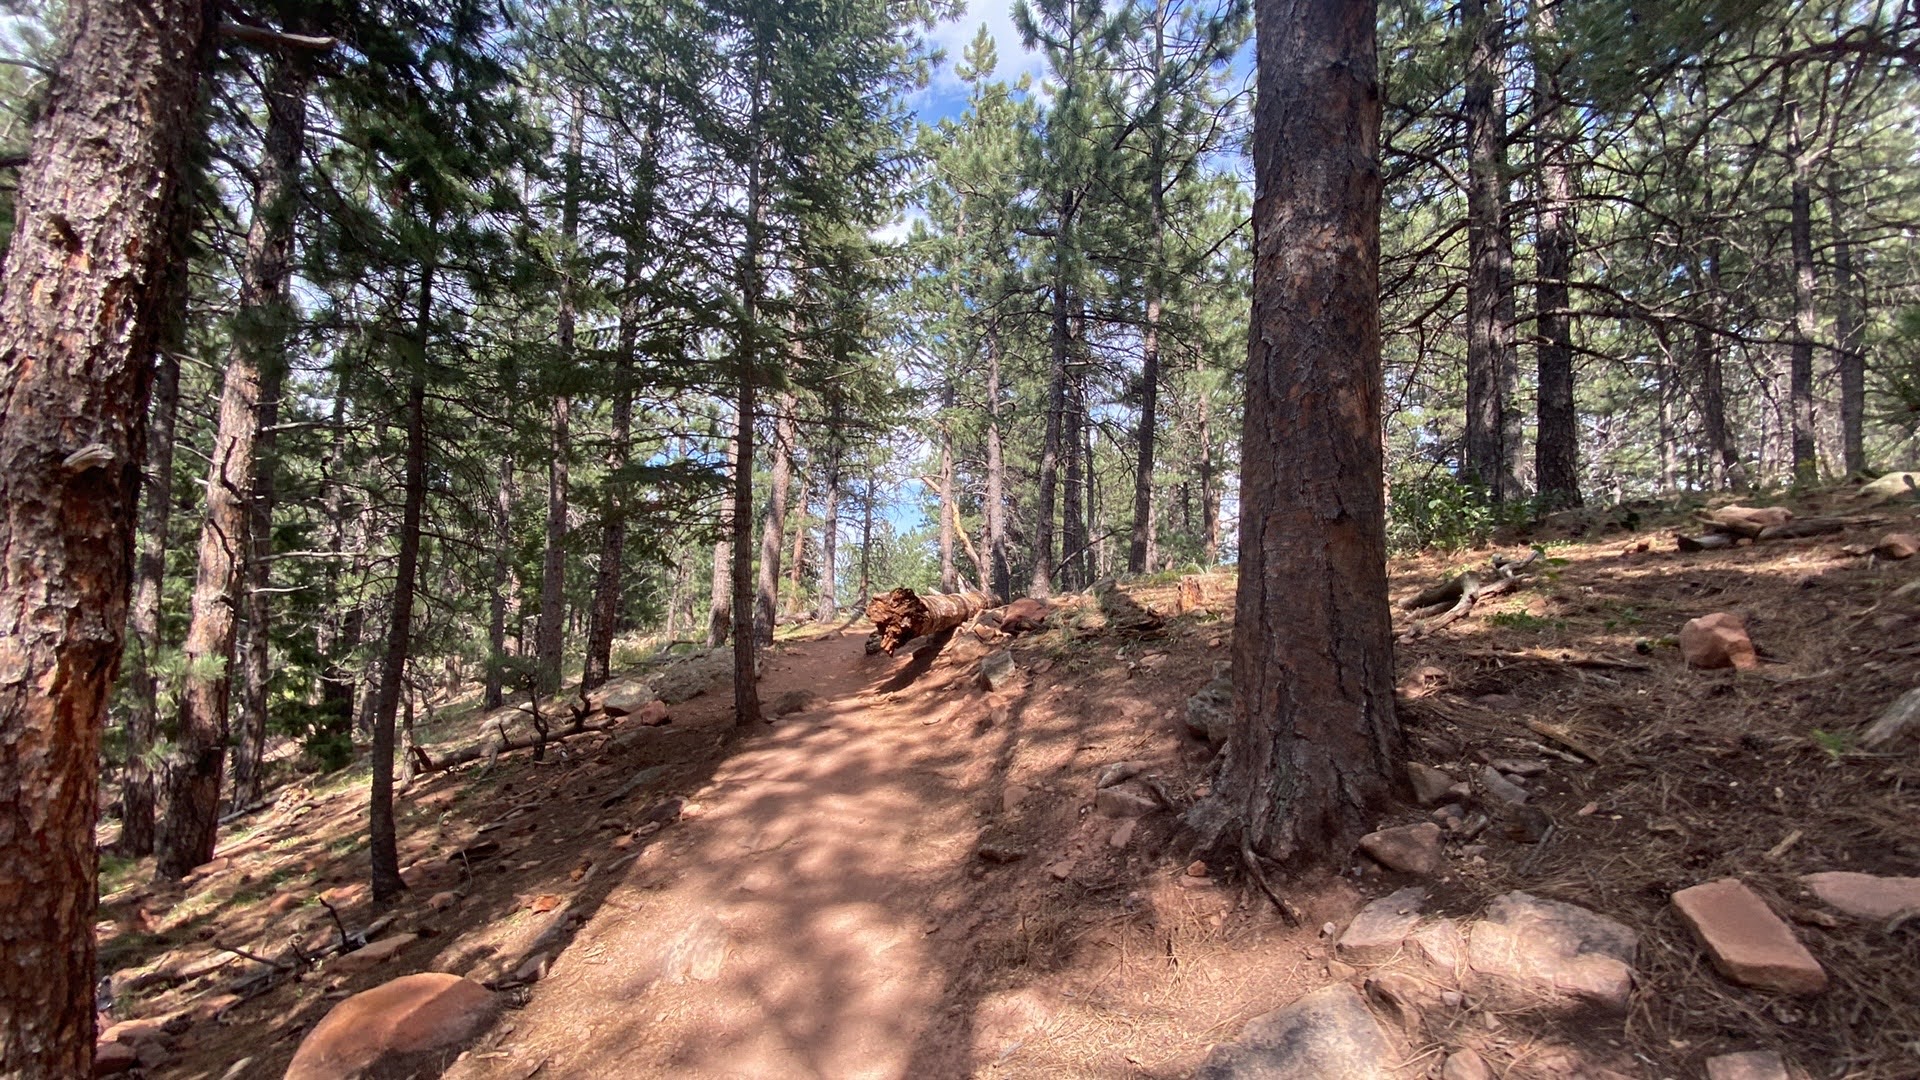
(903, 876)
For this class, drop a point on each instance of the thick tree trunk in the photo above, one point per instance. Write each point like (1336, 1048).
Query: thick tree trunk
(1314, 745)
(773, 531)
(1140, 553)
(254, 363)
(1489, 256)
(1850, 357)
(1209, 495)
(1806, 321)
(82, 296)
(866, 539)
(949, 514)
(746, 648)
(1557, 445)
(902, 614)
(384, 856)
(1042, 581)
(150, 567)
(1000, 582)
(249, 750)
(720, 597)
(1073, 522)
(830, 513)
(550, 633)
(605, 614)
(493, 694)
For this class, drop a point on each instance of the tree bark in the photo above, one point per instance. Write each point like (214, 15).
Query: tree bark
(549, 636)
(605, 614)
(1489, 256)
(1850, 357)
(1073, 522)
(830, 513)
(493, 695)
(249, 750)
(1140, 554)
(774, 529)
(902, 614)
(746, 649)
(82, 296)
(258, 355)
(1000, 582)
(1042, 581)
(384, 856)
(720, 597)
(1557, 445)
(949, 574)
(1314, 744)
(1806, 322)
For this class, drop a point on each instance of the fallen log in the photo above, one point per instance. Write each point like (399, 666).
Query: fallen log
(902, 615)
(494, 747)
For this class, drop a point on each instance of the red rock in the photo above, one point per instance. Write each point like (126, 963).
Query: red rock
(114, 1058)
(652, 714)
(544, 903)
(134, 1031)
(1012, 796)
(1547, 947)
(1465, 1065)
(1025, 615)
(1122, 802)
(372, 954)
(1897, 546)
(1375, 934)
(1747, 942)
(411, 1022)
(441, 901)
(1718, 640)
(1749, 1065)
(1430, 785)
(1864, 895)
(1413, 849)
(1123, 833)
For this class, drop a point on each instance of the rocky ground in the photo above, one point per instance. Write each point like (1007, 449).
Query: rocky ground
(1610, 862)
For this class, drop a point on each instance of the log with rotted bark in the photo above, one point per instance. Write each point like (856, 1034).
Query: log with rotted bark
(902, 615)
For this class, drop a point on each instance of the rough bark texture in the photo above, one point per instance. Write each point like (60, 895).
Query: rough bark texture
(1314, 742)
(720, 596)
(774, 529)
(1042, 581)
(81, 299)
(1140, 553)
(746, 650)
(605, 613)
(550, 633)
(830, 512)
(1489, 256)
(1850, 357)
(493, 695)
(1000, 582)
(1806, 320)
(949, 573)
(249, 749)
(384, 857)
(902, 615)
(254, 363)
(1557, 447)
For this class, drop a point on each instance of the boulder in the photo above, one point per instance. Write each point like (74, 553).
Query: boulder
(114, 1058)
(623, 698)
(997, 670)
(1430, 785)
(372, 954)
(1899, 545)
(1718, 640)
(1746, 941)
(1327, 1034)
(1894, 485)
(1024, 616)
(1865, 896)
(416, 1023)
(1411, 849)
(1536, 946)
(1375, 935)
(1210, 710)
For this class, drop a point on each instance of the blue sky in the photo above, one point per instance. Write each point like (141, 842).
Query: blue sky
(946, 96)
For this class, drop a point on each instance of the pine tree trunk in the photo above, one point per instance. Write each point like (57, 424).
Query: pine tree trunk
(1042, 582)
(1850, 358)
(1314, 744)
(1073, 522)
(191, 775)
(720, 598)
(830, 512)
(1806, 323)
(1557, 446)
(602, 620)
(82, 297)
(150, 566)
(1140, 553)
(866, 542)
(337, 639)
(1489, 254)
(746, 649)
(383, 849)
(550, 633)
(774, 529)
(998, 556)
(949, 574)
(493, 694)
(249, 749)
(1209, 496)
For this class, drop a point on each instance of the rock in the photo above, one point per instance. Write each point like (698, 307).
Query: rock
(793, 701)
(1197, 868)
(1375, 935)
(1747, 1065)
(1000, 852)
(624, 697)
(1210, 711)
(114, 1058)
(1024, 616)
(1123, 833)
(416, 1022)
(1119, 772)
(1894, 485)
(1718, 640)
(1520, 766)
(997, 670)
(373, 953)
(1012, 796)
(1465, 1065)
(1401, 996)
(1536, 946)
(283, 903)
(131, 1032)
(1752, 518)
(652, 714)
(152, 1055)
(1430, 785)
(1449, 817)
(532, 969)
(1411, 849)
(1894, 721)
(1865, 896)
(1123, 802)
(1324, 1035)
(1897, 546)
(1501, 789)
(1746, 941)
(1442, 946)
(441, 901)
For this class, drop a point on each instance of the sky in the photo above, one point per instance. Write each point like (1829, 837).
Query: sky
(946, 96)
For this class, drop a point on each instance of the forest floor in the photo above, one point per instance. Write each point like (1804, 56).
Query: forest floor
(905, 876)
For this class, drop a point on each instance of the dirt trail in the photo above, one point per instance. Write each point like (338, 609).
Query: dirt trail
(792, 924)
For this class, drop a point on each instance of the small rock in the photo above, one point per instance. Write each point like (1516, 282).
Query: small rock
(1865, 896)
(1376, 933)
(1412, 849)
(1898, 545)
(544, 903)
(1401, 997)
(1122, 802)
(1521, 766)
(997, 670)
(1544, 946)
(372, 954)
(134, 1031)
(999, 852)
(413, 1021)
(1123, 833)
(1197, 868)
(1024, 616)
(1442, 946)
(1449, 817)
(1528, 825)
(793, 701)
(652, 714)
(1340, 971)
(1461, 790)
(622, 842)
(1500, 788)
(1897, 719)
(1012, 796)
(1210, 710)
(1119, 772)
(1894, 485)
(532, 969)
(1747, 1065)
(152, 1055)
(1465, 1065)
(1747, 942)
(1429, 784)
(441, 901)
(1718, 640)
(114, 1058)
(1327, 1033)
(283, 903)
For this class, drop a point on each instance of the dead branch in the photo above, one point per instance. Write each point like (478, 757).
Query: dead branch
(500, 744)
